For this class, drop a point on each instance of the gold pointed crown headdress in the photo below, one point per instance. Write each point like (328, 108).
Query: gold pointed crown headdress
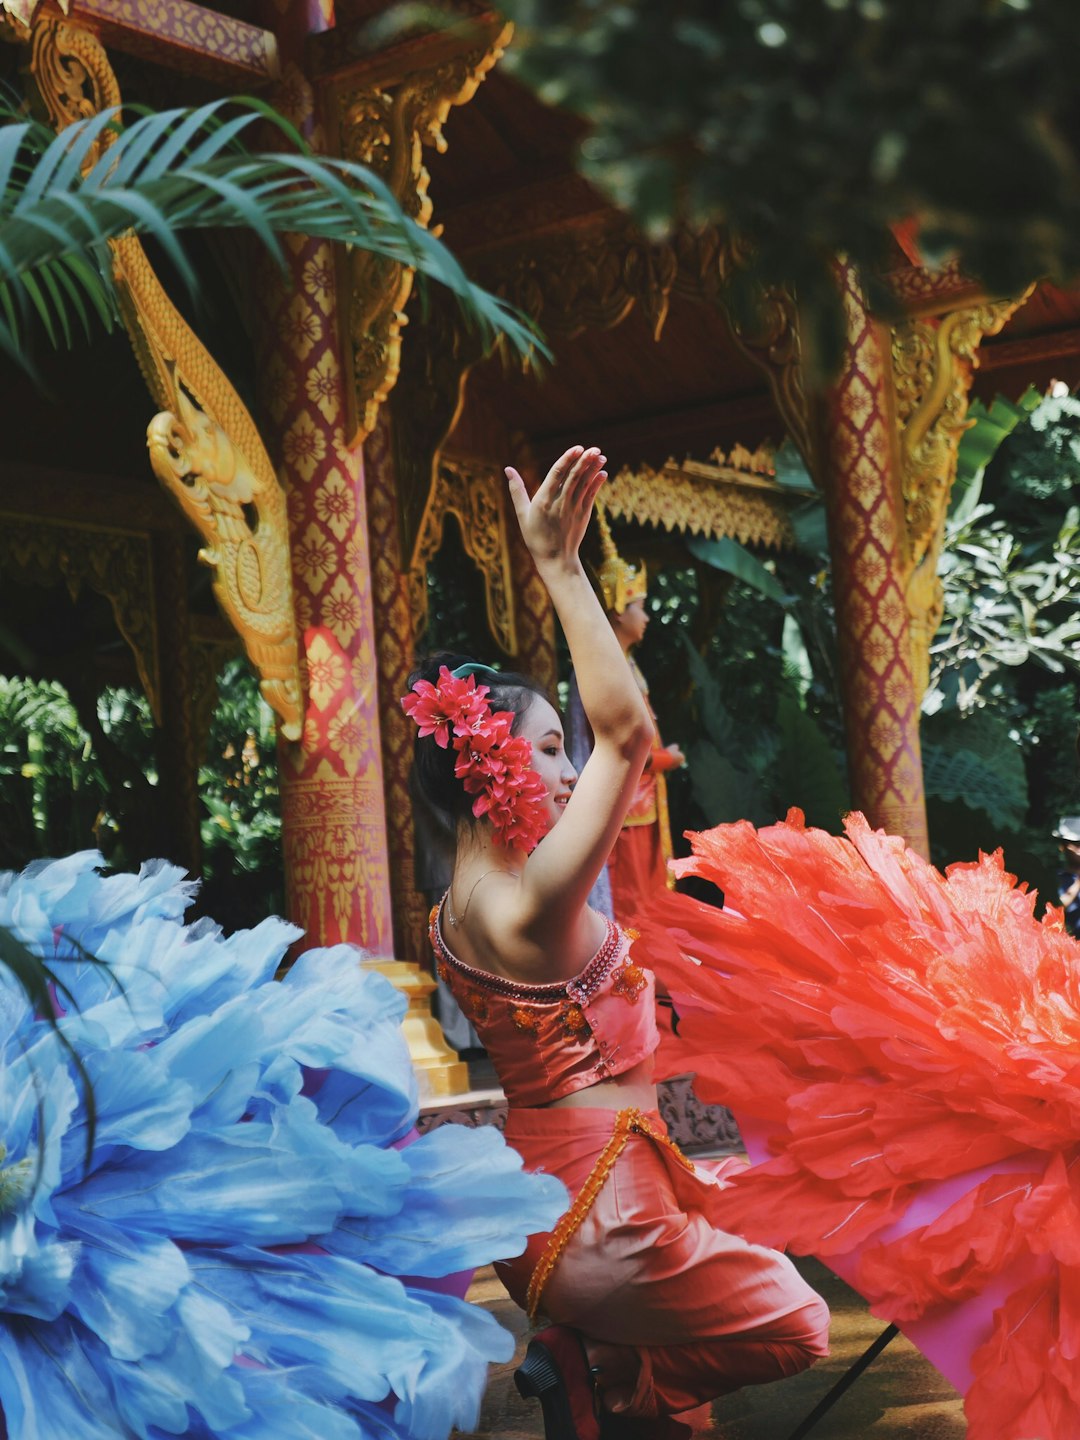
(620, 583)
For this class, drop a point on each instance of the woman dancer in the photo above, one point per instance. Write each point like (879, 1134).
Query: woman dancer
(654, 1309)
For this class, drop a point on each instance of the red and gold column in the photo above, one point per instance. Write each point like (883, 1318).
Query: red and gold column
(395, 652)
(333, 814)
(859, 472)
(334, 821)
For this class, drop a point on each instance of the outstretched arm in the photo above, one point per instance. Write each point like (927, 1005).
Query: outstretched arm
(561, 870)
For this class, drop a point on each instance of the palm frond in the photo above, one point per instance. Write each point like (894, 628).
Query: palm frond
(46, 991)
(181, 170)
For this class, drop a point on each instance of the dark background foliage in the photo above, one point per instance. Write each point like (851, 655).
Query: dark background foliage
(810, 126)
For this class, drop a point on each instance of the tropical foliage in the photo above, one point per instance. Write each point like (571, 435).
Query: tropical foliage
(811, 126)
(238, 789)
(1002, 710)
(754, 697)
(163, 174)
(61, 790)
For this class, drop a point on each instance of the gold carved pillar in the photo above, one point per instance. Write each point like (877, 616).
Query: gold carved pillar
(338, 843)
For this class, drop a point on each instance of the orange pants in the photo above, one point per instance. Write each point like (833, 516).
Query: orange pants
(706, 1312)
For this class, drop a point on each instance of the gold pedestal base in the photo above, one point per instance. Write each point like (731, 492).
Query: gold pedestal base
(438, 1068)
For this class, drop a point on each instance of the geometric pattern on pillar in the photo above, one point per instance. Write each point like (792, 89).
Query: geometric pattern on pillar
(334, 823)
(868, 544)
(395, 657)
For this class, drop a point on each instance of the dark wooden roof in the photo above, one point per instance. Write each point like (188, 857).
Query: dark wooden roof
(507, 177)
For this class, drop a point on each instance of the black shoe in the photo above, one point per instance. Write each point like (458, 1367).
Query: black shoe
(555, 1371)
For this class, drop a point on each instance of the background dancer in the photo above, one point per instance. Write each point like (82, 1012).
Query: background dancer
(654, 1306)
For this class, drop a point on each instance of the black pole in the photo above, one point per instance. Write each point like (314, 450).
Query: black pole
(845, 1382)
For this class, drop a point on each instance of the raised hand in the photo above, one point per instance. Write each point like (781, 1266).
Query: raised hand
(554, 521)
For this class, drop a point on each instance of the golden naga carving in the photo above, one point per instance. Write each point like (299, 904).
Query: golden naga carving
(716, 500)
(204, 447)
(474, 493)
(386, 126)
(933, 361)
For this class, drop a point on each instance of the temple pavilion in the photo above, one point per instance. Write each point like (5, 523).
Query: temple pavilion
(273, 471)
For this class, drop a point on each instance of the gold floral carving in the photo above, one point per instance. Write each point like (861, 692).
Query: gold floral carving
(386, 126)
(204, 447)
(588, 279)
(115, 563)
(933, 361)
(713, 499)
(772, 339)
(473, 492)
(592, 276)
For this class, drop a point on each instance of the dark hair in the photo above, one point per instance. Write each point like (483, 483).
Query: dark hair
(433, 781)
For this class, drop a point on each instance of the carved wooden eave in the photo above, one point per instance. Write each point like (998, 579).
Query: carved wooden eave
(179, 35)
(734, 497)
(381, 110)
(475, 493)
(115, 561)
(204, 446)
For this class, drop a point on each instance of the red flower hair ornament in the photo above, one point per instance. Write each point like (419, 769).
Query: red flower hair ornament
(492, 764)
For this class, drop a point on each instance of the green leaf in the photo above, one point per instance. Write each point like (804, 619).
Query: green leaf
(724, 792)
(976, 760)
(807, 773)
(728, 555)
(28, 280)
(187, 169)
(981, 442)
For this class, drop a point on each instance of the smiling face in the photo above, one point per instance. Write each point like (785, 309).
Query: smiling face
(541, 726)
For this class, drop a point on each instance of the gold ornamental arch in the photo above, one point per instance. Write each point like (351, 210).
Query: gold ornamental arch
(734, 495)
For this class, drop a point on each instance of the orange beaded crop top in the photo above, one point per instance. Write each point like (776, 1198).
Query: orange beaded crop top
(547, 1041)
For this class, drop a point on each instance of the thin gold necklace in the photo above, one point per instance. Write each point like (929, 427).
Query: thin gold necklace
(456, 920)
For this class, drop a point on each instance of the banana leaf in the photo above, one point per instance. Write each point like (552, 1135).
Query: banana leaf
(981, 442)
(734, 559)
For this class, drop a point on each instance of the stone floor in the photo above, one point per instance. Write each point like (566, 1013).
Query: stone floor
(900, 1397)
